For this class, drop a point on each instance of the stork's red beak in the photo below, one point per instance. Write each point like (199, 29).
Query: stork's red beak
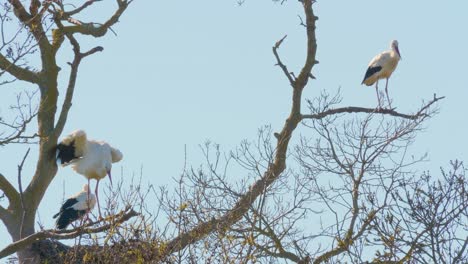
(110, 176)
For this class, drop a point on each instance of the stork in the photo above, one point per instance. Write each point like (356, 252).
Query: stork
(75, 207)
(90, 158)
(382, 66)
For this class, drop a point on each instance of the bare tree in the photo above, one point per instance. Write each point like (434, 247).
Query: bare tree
(426, 220)
(348, 169)
(363, 149)
(43, 28)
(351, 167)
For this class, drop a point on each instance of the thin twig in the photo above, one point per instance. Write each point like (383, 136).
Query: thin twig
(20, 187)
(280, 63)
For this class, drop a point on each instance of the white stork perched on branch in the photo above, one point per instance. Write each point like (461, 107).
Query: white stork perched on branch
(75, 207)
(90, 158)
(382, 66)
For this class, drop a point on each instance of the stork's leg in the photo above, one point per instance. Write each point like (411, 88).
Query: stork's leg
(82, 220)
(386, 92)
(89, 190)
(86, 218)
(97, 199)
(377, 91)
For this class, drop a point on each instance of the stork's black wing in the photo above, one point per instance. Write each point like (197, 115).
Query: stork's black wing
(370, 71)
(68, 216)
(68, 203)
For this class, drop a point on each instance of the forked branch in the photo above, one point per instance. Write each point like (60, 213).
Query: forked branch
(92, 29)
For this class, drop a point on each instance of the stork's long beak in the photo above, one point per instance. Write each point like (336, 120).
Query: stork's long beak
(110, 176)
(398, 51)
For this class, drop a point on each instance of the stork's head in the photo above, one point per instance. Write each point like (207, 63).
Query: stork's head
(394, 46)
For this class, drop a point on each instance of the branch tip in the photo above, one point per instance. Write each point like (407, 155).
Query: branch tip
(278, 43)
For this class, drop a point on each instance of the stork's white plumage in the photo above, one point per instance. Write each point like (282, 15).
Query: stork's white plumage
(75, 207)
(382, 66)
(90, 158)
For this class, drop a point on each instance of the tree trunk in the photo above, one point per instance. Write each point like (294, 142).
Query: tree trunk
(20, 225)
(13, 224)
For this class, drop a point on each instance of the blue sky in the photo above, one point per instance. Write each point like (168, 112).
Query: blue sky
(181, 72)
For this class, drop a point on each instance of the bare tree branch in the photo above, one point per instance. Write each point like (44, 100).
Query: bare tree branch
(121, 217)
(305, 73)
(9, 190)
(18, 135)
(20, 12)
(34, 23)
(18, 72)
(94, 29)
(392, 112)
(67, 102)
(20, 188)
(3, 213)
(81, 8)
(280, 63)
(459, 257)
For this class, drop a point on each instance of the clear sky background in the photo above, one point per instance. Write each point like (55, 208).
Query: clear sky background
(182, 72)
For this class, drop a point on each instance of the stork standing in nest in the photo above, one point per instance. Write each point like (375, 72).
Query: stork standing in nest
(90, 158)
(75, 207)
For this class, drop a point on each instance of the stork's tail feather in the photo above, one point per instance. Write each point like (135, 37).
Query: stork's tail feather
(55, 215)
(116, 155)
(62, 222)
(67, 217)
